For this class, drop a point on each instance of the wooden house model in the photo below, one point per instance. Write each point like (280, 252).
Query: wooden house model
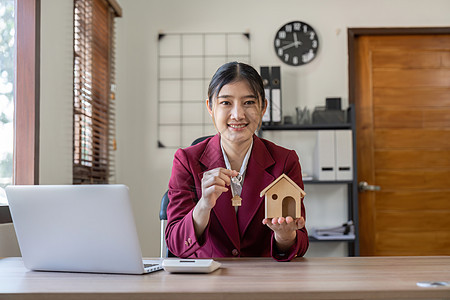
(283, 198)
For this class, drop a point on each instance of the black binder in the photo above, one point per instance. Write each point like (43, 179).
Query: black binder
(275, 75)
(265, 75)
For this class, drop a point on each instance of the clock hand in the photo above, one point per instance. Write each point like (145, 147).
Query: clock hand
(289, 45)
(296, 44)
(295, 40)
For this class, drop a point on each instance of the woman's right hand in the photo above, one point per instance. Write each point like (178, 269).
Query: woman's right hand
(214, 183)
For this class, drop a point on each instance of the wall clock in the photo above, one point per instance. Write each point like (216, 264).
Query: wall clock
(296, 43)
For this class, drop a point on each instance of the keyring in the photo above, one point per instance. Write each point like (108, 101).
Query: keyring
(237, 179)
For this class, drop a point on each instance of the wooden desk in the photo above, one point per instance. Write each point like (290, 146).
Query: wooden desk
(255, 278)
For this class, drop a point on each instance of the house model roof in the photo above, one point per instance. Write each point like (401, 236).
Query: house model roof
(302, 193)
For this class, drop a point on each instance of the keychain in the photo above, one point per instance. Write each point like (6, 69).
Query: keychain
(236, 188)
(236, 182)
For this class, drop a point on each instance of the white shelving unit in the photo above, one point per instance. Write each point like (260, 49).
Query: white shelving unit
(342, 191)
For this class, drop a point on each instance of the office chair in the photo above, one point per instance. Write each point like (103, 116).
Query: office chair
(163, 212)
(163, 218)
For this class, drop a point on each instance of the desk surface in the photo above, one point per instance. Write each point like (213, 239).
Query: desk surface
(243, 278)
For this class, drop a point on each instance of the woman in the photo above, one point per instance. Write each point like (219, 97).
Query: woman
(201, 219)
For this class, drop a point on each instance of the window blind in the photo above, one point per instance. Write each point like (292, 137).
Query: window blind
(94, 91)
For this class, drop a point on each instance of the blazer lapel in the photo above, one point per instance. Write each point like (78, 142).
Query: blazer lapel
(212, 158)
(256, 178)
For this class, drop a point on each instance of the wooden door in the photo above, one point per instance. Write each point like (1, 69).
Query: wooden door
(401, 90)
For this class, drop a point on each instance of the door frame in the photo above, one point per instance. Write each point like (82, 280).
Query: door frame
(352, 35)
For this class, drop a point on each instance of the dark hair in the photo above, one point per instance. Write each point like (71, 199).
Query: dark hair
(233, 72)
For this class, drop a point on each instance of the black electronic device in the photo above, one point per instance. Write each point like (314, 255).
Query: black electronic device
(328, 116)
(333, 103)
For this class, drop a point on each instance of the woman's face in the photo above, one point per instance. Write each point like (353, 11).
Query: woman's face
(237, 112)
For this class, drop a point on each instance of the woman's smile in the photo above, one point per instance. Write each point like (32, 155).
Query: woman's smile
(237, 127)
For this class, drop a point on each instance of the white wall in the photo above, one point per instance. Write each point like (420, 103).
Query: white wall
(56, 92)
(140, 164)
(146, 169)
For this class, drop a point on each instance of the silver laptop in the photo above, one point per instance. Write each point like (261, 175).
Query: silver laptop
(77, 228)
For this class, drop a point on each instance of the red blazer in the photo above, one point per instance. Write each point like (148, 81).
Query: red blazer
(228, 234)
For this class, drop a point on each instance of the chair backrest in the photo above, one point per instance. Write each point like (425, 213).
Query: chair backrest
(200, 139)
(163, 211)
(163, 208)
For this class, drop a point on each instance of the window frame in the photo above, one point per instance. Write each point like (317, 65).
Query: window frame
(26, 97)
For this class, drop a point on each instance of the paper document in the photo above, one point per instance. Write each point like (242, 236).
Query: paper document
(344, 232)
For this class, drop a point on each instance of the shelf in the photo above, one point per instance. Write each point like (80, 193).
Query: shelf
(344, 239)
(327, 181)
(352, 239)
(308, 127)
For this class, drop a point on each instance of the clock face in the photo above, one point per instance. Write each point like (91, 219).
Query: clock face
(296, 43)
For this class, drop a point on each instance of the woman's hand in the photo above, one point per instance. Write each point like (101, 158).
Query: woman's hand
(285, 230)
(214, 183)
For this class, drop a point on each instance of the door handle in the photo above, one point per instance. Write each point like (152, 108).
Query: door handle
(364, 186)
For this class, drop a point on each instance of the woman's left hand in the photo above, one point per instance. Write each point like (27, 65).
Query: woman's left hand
(285, 230)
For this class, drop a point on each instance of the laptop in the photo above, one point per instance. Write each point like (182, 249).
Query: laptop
(77, 228)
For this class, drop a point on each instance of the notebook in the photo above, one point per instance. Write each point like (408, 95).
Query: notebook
(77, 228)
